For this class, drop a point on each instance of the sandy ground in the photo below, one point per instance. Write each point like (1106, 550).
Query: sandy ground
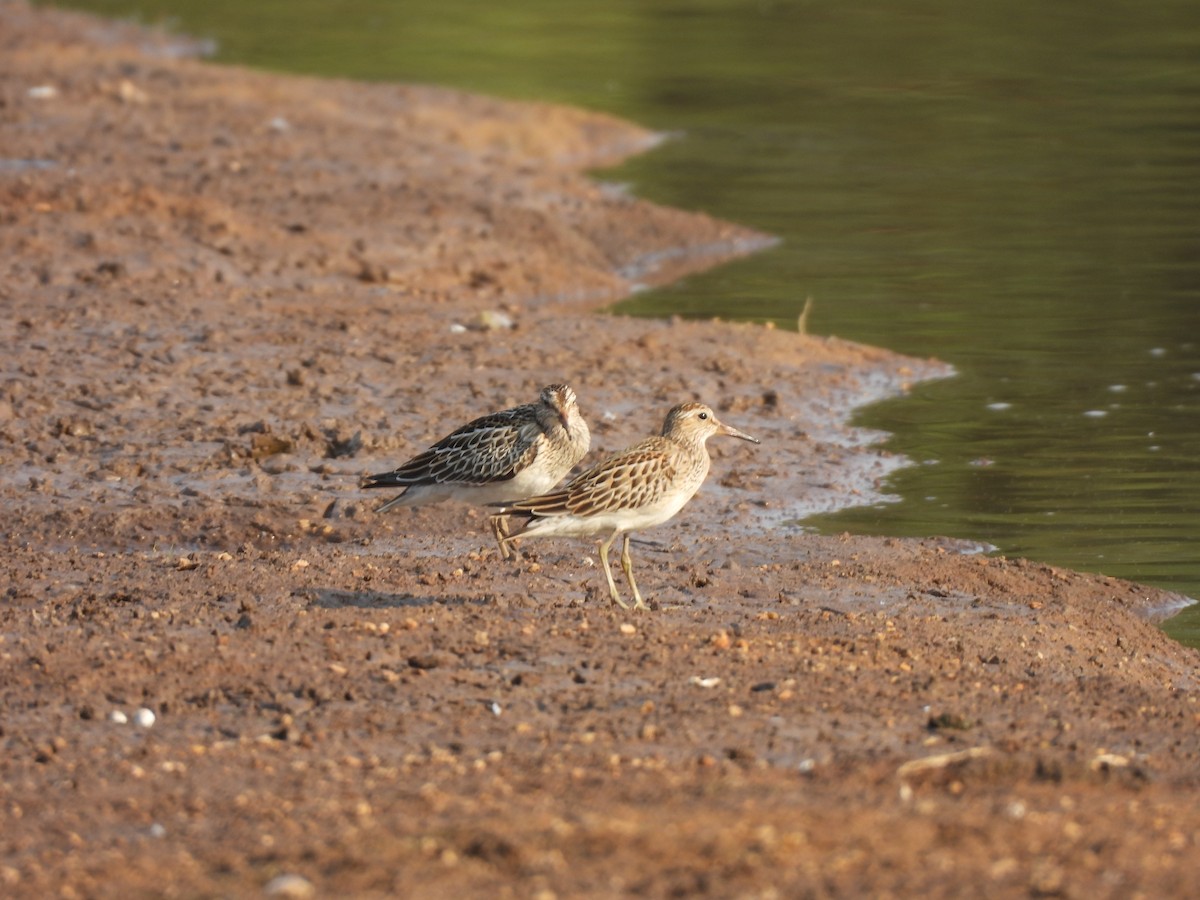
(229, 294)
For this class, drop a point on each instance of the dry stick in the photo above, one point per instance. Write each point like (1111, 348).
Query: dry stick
(802, 320)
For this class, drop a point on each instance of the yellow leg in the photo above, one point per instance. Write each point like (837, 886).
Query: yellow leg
(500, 531)
(627, 568)
(612, 585)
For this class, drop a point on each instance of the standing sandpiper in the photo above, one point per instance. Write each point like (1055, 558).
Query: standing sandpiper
(512, 454)
(639, 487)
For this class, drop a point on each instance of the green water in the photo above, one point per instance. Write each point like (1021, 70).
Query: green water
(1013, 188)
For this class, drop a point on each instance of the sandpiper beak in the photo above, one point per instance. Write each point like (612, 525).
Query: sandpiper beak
(733, 432)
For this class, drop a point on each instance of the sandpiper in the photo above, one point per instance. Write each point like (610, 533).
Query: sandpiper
(639, 487)
(507, 455)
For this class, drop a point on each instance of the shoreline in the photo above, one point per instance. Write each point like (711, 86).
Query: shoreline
(232, 293)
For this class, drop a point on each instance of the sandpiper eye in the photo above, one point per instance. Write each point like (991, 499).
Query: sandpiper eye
(703, 415)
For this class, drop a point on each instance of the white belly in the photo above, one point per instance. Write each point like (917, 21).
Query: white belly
(608, 522)
(528, 483)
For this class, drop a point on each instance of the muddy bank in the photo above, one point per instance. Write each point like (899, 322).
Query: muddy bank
(228, 294)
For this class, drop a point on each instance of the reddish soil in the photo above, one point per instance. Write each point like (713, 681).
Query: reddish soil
(229, 294)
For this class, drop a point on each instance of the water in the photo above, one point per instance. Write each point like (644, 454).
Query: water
(1013, 188)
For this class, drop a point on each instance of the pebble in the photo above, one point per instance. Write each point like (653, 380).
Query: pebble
(427, 660)
(296, 887)
(117, 717)
(128, 92)
(494, 320)
(143, 717)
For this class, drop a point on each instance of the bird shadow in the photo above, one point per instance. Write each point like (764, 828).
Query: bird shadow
(330, 598)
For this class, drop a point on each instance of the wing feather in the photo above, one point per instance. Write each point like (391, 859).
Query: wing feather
(492, 448)
(639, 476)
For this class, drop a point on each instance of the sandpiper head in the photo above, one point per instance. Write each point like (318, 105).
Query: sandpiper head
(561, 399)
(695, 421)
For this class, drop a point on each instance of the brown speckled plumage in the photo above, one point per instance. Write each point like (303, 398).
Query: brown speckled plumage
(642, 486)
(506, 455)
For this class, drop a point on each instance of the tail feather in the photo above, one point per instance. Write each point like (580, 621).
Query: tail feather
(389, 480)
(384, 480)
(520, 514)
(555, 504)
(402, 500)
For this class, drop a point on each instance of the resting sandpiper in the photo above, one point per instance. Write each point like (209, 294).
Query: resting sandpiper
(639, 487)
(507, 455)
